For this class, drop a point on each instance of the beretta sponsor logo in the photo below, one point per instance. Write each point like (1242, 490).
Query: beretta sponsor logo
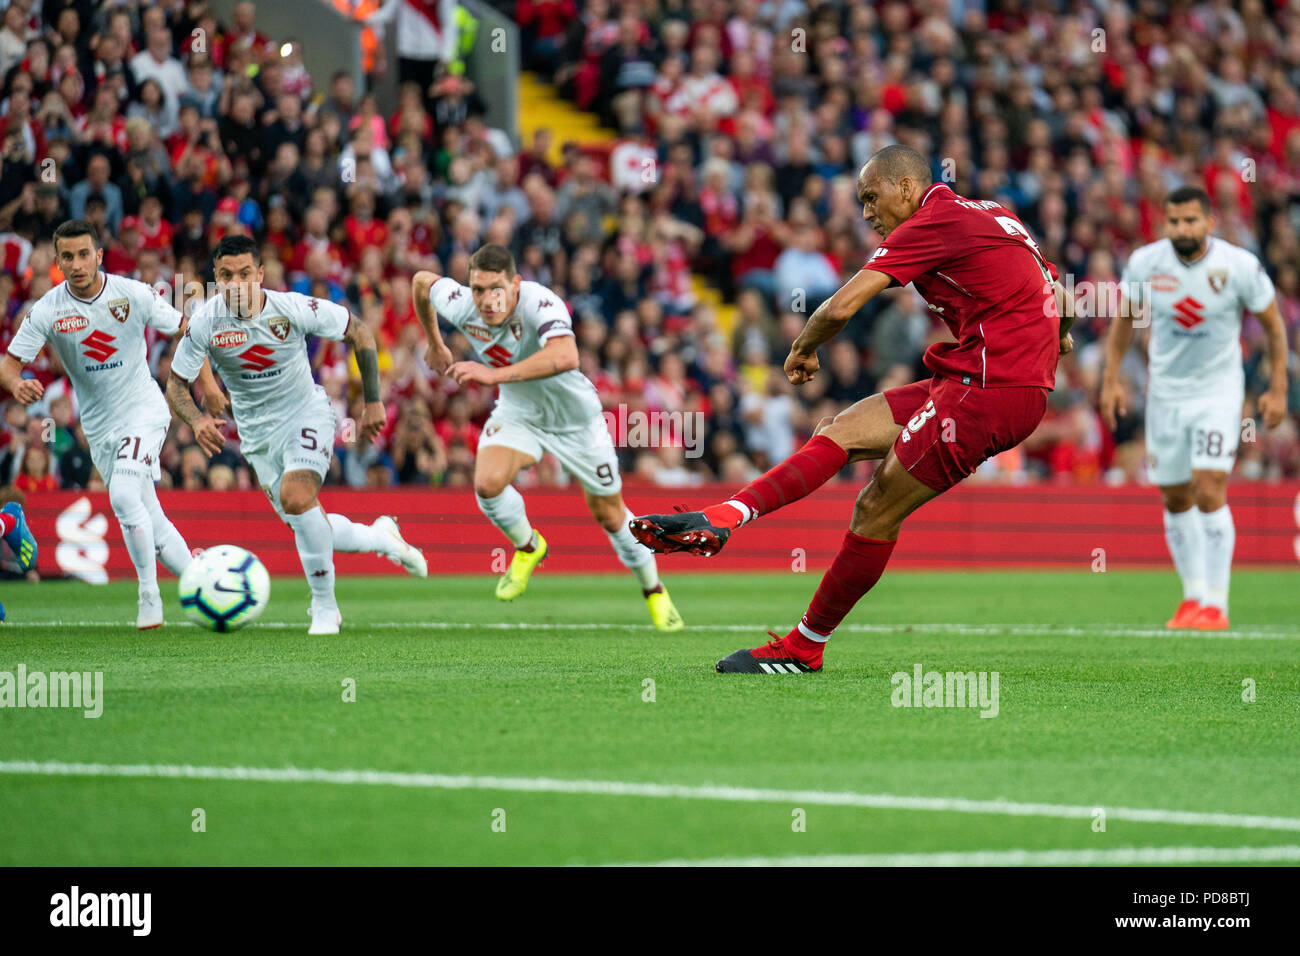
(71, 323)
(230, 339)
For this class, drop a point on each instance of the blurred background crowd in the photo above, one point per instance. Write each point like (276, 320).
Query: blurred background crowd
(742, 126)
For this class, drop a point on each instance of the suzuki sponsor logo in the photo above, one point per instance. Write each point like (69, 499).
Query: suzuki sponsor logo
(99, 346)
(1188, 312)
(230, 339)
(257, 359)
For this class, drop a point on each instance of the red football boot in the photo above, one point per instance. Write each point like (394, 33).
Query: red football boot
(792, 654)
(1185, 615)
(1210, 619)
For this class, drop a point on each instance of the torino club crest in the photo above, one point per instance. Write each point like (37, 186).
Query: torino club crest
(120, 309)
(279, 328)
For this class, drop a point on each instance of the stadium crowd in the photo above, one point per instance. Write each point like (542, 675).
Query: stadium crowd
(742, 125)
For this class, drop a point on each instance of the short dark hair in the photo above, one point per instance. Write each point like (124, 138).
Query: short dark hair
(897, 161)
(1189, 194)
(493, 258)
(74, 228)
(236, 246)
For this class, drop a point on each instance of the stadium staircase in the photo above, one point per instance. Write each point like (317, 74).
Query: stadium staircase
(541, 105)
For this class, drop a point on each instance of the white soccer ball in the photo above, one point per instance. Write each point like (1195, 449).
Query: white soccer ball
(225, 588)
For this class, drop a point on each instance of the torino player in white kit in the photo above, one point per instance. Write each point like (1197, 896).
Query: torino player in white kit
(255, 340)
(95, 323)
(1198, 286)
(523, 333)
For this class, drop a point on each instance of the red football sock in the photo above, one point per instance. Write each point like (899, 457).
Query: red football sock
(802, 473)
(853, 573)
(7, 523)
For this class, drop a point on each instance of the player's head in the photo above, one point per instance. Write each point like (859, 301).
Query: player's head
(1188, 220)
(494, 283)
(237, 267)
(79, 255)
(890, 187)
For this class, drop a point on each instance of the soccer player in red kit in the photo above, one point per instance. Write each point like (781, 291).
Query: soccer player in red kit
(983, 274)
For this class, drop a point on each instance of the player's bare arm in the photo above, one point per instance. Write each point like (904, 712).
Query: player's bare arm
(206, 428)
(362, 342)
(828, 319)
(26, 390)
(559, 354)
(438, 357)
(1064, 306)
(1118, 338)
(1272, 404)
(214, 400)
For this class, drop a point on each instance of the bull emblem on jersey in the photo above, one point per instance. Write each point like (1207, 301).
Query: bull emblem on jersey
(120, 309)
(1218, 279)
(279, 328)
(516, 329)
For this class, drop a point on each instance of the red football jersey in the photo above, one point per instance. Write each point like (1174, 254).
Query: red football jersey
(979, 269)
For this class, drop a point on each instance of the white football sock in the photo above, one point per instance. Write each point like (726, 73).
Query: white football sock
(1187, 545)
(126, 497)
(635, 556)
(1220, 536)
(172, 550)
(507, 512)
(354, 537)
(315, 541)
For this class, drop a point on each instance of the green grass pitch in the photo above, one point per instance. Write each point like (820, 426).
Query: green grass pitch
(1098, 708)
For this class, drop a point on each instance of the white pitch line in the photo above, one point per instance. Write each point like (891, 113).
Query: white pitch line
(615, 788)
(1121, 856)
(986, 630)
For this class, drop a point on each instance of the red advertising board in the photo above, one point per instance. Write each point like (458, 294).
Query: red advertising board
(970, 526)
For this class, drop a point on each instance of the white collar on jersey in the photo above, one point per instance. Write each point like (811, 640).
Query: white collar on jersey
(103, 285)
(926, 194)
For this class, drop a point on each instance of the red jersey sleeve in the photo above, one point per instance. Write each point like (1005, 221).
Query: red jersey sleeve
(913, 249)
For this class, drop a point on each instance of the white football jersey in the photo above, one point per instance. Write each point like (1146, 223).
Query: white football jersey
(563, 402)
(262, 360)
(101, 344)
(1196, 313)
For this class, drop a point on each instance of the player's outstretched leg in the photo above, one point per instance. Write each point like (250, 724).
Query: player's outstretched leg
(126, 495)
(315, 540)
(878, 515)
(503, 505)
(864, 430)
(613, 515)
(15, 533)
(171, 548)
(382, 537)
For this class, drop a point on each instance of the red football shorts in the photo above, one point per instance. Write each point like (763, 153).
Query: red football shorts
(949, 428)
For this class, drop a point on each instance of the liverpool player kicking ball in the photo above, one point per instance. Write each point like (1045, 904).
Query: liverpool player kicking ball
(979, 269)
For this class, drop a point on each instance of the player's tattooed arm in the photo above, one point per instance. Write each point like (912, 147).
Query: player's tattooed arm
(207, 429)
(362, 342)
(26, 390)
(438, 357)
(1272, 404)
(828, 319)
